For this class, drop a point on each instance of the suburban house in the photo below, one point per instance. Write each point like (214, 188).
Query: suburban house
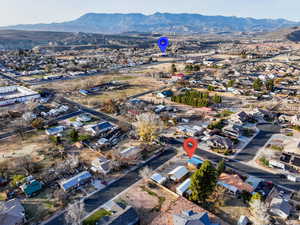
(122, 214)
(217, 141)
(55, 130)
(101, 165)
(183, 188)
(57, 111)
(233, 130)
(177, 77)
(194, 163)
(240, 117)
(192, 218)
(16, 94)
(12, 213)
(76, 124)
(178, 174)
(83, 118)
(131, 153)
(76, 181)
(31, 187)
(261, 114)
(157, 178)
(190, 130)
(165, 94)
(234, 183)
(291, 159)
(280, 207)
(99, 128)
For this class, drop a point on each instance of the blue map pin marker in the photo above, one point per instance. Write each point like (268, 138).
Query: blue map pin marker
(163, 43)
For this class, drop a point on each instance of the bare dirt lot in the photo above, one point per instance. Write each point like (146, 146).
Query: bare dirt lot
(138, 84)
(16, 147)
(156, 205)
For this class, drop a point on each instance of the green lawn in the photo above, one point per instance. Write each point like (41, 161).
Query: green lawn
(91, 220)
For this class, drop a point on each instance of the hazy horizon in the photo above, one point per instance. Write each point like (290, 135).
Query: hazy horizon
(46, 11)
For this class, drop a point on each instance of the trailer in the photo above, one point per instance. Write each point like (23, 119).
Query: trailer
(294, 178)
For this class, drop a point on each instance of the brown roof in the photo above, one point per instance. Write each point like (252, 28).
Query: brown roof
(165, 217)
(236, 181)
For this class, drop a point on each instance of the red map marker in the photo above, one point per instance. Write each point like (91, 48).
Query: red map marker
(190, 145)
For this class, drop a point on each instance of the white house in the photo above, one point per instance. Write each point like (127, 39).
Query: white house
(178, 173)
(156, 177)
(99, 128)
(84, 118)
(131, 152)
(101, 165)
(184, 187)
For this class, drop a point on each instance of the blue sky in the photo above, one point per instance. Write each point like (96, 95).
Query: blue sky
(45, 11)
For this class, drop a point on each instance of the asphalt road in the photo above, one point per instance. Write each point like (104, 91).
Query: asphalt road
(249, 170)
(250, 151)
(14, 80)
(96, 200)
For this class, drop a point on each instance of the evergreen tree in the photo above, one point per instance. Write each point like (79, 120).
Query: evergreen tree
(221, 167)
(196, 68)
(173, 68)
(269, 85)
(257, 84)
(210, 88)
(203, 183)
(74, 135)
(230, 83)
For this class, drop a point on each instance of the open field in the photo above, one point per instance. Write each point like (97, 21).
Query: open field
(16, 147)
(137, 84)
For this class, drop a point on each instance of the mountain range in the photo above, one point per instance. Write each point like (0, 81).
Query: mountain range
(159, 22)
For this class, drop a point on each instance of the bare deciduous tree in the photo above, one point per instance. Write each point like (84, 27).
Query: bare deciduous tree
(146, 173)
(25, 163)
(75, 213)
(28, 117)
(217, 198)
(148, 126)
(60, 195)
(4, 168)
(260, 212)
(72, 161)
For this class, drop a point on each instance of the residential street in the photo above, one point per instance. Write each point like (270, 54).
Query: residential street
(249, 152)
(93, 202)
(248, 170)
